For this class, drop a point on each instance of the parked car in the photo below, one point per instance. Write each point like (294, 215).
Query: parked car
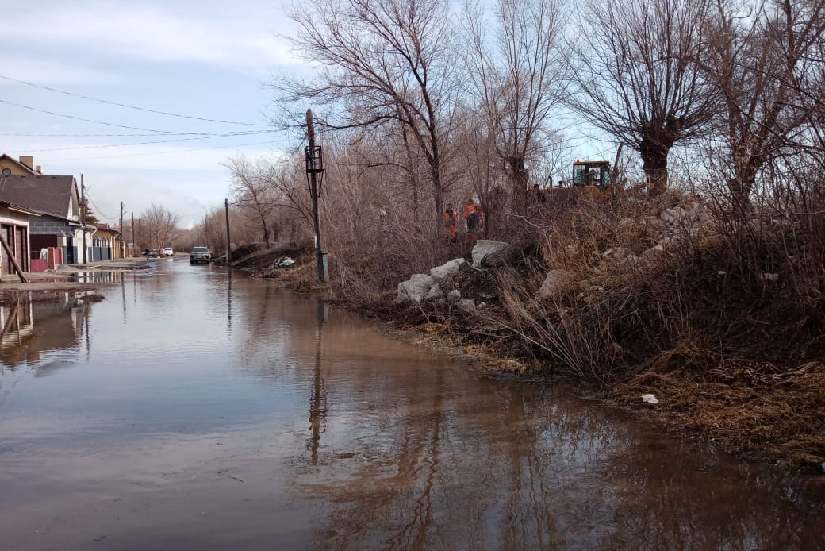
(200, 255)
(167, 251)
(151, 253)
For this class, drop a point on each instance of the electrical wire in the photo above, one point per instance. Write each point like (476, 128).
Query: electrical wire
(147, 153)
(50, 135)
(97, 209)
(123, 105)
(81, 119)
(112, 145)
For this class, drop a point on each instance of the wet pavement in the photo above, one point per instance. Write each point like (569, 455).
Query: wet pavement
(191, 410)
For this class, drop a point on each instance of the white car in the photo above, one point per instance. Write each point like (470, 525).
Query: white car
(167, 251)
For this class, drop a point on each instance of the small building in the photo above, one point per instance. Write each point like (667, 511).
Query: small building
(56, 201)
(14, 228)
(107, 244)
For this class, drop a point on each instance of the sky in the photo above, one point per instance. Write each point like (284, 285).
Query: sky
(197, 59)
(206, 58)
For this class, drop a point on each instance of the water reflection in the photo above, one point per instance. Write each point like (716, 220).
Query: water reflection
(99, 277)
(221, 412)
(31, 329)
(318, 399)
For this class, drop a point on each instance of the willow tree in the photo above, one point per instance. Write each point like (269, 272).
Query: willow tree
(637, 78)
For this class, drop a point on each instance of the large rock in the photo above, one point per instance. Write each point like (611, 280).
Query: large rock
(447, 269)
(434, 293)
(512, 254)
(415, 288)
(555, 281)
(485, 248)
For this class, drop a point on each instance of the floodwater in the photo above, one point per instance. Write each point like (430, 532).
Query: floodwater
(191, 410)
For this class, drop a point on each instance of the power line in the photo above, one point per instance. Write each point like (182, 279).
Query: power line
(111, 145)
(123, 105)
(97, 209)
(76, 118)
(51, 135)
(145, 153)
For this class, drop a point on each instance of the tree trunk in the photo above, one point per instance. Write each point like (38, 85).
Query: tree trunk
(413, 173)
(439, 200)
(438, 191)
(267, 239)
(518, 180)
(654, 164)
(740, 189)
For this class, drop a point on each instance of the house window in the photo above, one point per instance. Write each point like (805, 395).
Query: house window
(6, 172)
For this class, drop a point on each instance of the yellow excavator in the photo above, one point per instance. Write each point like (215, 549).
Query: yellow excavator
(591, 173)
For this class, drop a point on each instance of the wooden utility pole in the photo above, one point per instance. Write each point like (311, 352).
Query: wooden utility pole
(228, 246)
(83, 215)
(313, 167)
(133, 234)
(123, 248)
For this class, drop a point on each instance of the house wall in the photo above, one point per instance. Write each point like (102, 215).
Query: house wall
(69, 237)
(15, 168)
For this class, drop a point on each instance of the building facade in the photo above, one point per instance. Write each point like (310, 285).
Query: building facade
(106, 244)
(57, 202)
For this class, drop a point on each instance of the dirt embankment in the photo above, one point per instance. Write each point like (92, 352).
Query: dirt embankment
(732, 348)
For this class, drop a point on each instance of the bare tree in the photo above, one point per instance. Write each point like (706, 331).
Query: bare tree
(481, 164)
(766, 63)
(384, 61)
(518, 80)
(158, 223)
(253, 191)
(637, 78)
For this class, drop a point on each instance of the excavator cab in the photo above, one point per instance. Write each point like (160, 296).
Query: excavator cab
(591, 173)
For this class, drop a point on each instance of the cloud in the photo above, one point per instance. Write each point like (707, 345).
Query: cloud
(40, 71)
(186, 180)
(239, 38)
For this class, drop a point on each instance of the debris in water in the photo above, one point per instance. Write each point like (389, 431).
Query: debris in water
(649, 399)
(285, 262)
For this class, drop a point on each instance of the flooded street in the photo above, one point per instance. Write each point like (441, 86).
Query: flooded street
(191, 410)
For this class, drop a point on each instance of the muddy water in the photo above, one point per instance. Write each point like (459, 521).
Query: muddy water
(190, 410)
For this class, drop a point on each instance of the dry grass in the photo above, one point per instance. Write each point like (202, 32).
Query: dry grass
(730, 353)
